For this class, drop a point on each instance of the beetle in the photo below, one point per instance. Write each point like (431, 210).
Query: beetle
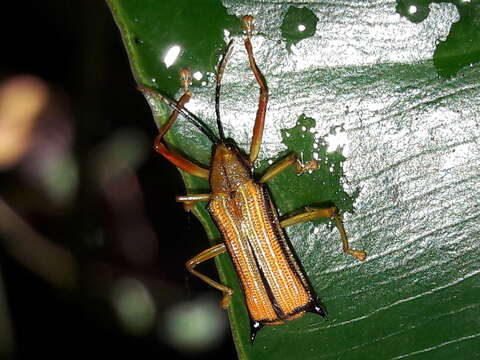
(275, 286)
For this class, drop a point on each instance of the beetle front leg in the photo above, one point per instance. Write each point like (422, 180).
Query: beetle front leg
(159, 146)
(189, 201)
(263, 100)
(282, 165)
(332, 212)
(207, 255)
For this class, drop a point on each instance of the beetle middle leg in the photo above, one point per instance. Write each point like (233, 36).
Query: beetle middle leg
(189, 201)
(207, 255)
(263, 100)
(282, 165)
(332, 212)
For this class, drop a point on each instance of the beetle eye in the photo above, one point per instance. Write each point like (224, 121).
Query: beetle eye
(230, 144)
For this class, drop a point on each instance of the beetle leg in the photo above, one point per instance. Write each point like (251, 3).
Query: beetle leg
(181, 162)
(285, 163)
(189, 201)
(185, 81)
(204, 256)
(263, 100)
(312, 214)
(159, 146)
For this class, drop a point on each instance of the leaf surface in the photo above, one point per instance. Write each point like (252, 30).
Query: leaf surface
(363, 90)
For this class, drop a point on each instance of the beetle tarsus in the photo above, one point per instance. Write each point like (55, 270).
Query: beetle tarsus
(247, 21)
(307, 166)
(359, 254)
(227, 297)
(185, 79)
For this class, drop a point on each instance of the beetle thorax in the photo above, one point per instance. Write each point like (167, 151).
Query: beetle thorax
(229, 169)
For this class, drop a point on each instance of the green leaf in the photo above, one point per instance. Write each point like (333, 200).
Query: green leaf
(364, 92)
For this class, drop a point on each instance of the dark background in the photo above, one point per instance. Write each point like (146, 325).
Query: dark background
(76, 49)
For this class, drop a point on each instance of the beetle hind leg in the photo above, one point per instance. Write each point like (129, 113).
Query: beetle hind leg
(332, 212)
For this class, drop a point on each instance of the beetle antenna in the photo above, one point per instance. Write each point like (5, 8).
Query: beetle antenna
(194, 120)
(221, 69)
